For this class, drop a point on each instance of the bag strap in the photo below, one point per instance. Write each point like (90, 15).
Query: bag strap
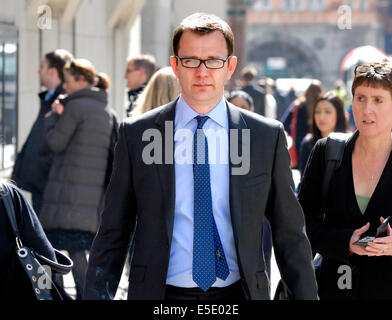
(64, 264)
(334, 151)
(9, 208)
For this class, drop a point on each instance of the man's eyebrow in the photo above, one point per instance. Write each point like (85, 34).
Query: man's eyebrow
(195, 57)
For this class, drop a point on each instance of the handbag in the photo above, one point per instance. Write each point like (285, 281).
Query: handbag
(38, 268)
(334, 151)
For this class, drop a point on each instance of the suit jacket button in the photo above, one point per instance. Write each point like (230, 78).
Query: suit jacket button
(163, 283)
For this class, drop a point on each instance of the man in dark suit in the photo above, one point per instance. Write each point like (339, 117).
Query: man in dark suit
(257, 93)
(194, 239)
(137, 74)
(31, 169)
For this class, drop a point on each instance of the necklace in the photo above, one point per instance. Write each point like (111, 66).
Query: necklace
(366, 166)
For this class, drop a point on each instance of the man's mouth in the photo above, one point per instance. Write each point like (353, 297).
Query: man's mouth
(202, 85)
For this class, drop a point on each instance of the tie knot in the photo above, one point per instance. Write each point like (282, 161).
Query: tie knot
(201, 120)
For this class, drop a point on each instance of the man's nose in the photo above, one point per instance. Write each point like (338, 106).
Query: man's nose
(202, 69)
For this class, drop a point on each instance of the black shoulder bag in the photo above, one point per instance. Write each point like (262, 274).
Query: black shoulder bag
(334, 151)
(40, 275)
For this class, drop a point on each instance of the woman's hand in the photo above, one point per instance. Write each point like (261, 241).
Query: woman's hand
(359, 250)
(381, 246)
(57, 107)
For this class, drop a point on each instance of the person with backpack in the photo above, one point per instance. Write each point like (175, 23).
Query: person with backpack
(358, 198)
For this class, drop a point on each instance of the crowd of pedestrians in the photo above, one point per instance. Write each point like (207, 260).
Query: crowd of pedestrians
(197, 231)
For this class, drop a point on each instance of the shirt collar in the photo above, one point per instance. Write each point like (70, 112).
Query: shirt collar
(185, 113)
(49, 94)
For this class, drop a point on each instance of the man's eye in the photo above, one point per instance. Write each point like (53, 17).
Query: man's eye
(214, 62)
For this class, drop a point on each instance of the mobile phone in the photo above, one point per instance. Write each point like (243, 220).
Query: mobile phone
(364, 241)
(382, 229)
(381, 232)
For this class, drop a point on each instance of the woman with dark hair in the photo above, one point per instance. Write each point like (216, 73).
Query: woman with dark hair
(297, 118)
(241, 99)
(78, 131)
(358, 197)
(327, 116)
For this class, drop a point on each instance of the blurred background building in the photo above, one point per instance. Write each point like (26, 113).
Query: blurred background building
(281, 38)
(311, 38)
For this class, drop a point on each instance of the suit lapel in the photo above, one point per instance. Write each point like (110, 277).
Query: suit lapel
(236, 124)
(165, 123)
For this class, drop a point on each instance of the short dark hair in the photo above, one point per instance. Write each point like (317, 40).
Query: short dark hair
(374, 74)
(58, 59)
(146, 62)
(203, 23)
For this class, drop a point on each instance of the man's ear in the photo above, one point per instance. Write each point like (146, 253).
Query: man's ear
(174, 65)
(143, 75)
(232, 65)
(53, 72)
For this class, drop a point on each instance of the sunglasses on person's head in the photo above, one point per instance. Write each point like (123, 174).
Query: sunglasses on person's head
(382, 70)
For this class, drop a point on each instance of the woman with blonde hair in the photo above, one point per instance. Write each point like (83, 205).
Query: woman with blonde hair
(162, 88)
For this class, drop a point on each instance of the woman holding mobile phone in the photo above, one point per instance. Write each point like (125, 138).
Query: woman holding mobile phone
(358, 197)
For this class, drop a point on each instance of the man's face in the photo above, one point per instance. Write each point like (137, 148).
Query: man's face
(202, 88)
(135, 77)
(44, 72)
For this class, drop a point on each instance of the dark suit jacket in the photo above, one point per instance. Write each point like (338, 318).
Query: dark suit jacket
(31, 168)
(140, 202)
(258, 95)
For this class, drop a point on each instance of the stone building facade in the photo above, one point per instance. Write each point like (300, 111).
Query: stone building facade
(309, 37)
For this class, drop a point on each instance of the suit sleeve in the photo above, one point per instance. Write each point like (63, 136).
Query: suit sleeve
(291, 245)
(111, 244)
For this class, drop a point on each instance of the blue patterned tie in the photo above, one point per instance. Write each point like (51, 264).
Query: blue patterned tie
(209, 259)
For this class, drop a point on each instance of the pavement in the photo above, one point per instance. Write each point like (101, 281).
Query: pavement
(69, 284)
